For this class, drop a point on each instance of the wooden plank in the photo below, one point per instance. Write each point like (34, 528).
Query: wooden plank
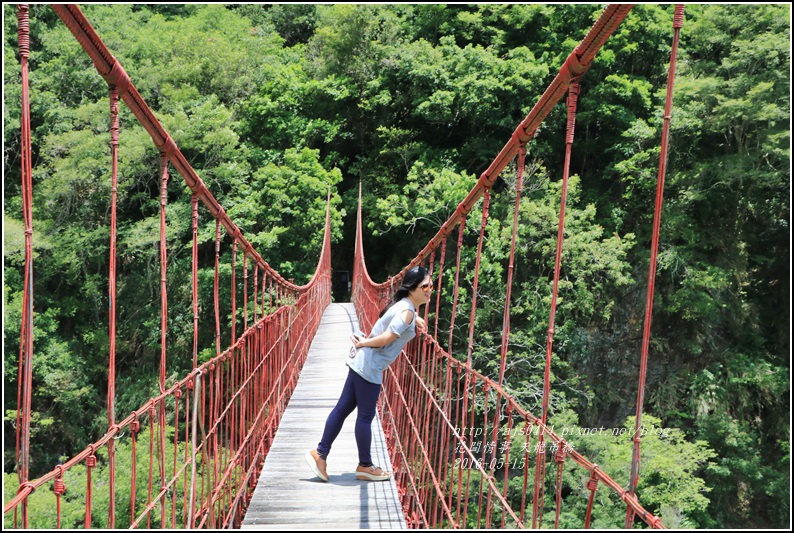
(288, 494)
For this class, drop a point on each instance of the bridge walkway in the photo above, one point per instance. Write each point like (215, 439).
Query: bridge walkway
(288, 495)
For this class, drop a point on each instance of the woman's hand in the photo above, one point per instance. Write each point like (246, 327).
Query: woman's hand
(374, 342)
(357, 341)
(421, 326)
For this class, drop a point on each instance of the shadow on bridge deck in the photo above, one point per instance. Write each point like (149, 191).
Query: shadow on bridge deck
(288, 495)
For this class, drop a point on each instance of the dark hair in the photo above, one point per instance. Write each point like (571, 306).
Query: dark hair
(411, 281)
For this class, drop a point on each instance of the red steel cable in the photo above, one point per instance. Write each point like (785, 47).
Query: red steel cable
(527, 440)
(474, 293)
(25, 377)
(203, 422)
(592, 486)
(522, 154)
(430, 270)
(234, 290)
(135, 426)
(540, 461)
(174, 476)
(151, 465)
(461, 231)
(231, 379)
(163, 268)
(264, 290)
(90, 464)
(59, 488)
(197, 392)
(111, 397)
(440, 278)
(509, 430)
(217, 370)
(215, 288)
(678, 23)
(194, 276)
(538, 503)
(256, 292)
(486, 394)
(186, 458)
(559, 458)
(163, 322)
(244, 351)
(245, 292)
(572, 98)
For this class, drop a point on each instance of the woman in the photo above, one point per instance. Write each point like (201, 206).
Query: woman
(396, 326)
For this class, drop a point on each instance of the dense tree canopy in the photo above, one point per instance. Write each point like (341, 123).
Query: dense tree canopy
(275, 104)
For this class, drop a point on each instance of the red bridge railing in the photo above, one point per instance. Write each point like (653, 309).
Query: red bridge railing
(461, 446)
(194, 452)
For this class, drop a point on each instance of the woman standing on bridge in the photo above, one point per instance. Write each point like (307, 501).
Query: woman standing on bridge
(396, 326)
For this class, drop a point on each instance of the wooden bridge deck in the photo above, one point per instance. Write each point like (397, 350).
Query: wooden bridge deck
(288, 495)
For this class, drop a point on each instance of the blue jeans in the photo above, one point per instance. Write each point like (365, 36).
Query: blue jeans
(357, 393)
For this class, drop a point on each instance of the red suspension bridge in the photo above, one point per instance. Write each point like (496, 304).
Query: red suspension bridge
(203, 440)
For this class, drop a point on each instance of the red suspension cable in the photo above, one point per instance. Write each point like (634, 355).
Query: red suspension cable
(234, 290)
(440, 279)
(540, 460)
(592, 486)
(59, 488)
(559, 458)
(111, 398)
(245, 292)
(163, 321)
(678, 23)
(163, 268)
(215, 288)
(90, 464)
(256, 292)
(522, 154)
(25, 377)
(474, 293)
(430, 270)
(573, 94)
(194, 275)
(461, 231)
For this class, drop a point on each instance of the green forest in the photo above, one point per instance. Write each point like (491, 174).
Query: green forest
(274, 104)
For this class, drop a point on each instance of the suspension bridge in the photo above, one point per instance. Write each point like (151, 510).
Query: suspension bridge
(222, 446)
